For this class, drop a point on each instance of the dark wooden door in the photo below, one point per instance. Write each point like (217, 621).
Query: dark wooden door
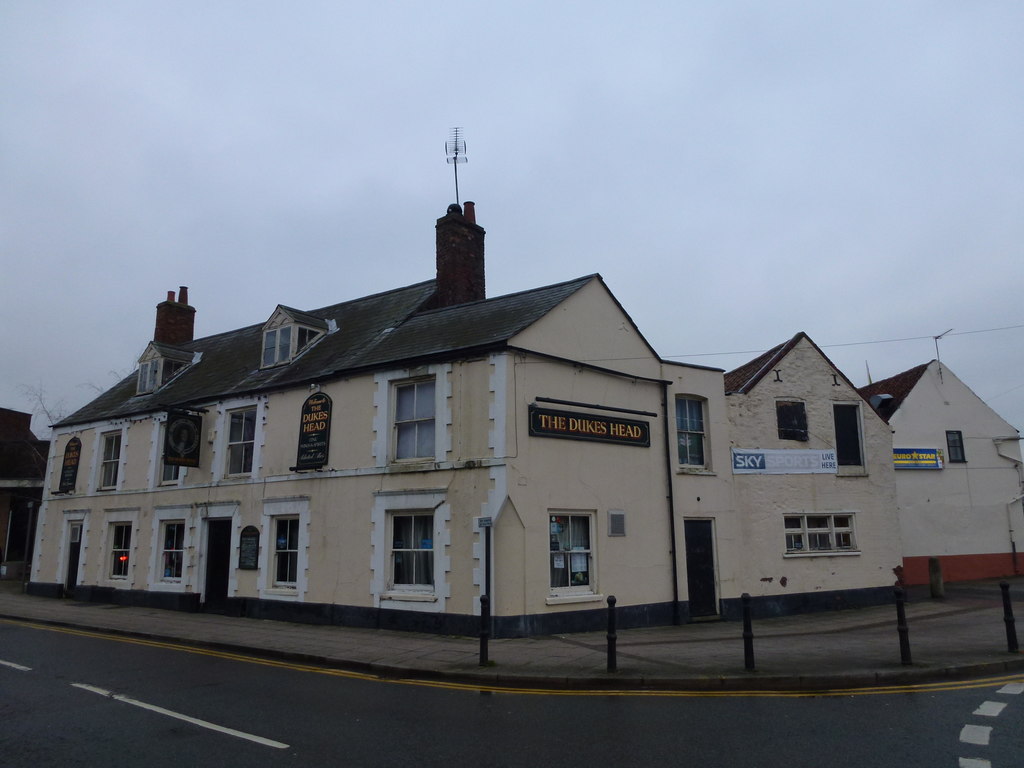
(218, 564)
(74, 552)
(700, 567)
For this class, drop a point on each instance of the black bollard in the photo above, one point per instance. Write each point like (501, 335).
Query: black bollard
(485, 628)
(1011, 627)
(612, 662)
(901, 627)
(748, 634)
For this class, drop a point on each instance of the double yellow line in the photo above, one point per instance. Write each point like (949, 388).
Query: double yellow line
(959, 685)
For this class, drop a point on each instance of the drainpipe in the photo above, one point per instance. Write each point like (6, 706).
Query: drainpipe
(671, 504)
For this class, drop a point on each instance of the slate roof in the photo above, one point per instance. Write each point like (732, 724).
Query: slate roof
(899, 386)
(378, 331)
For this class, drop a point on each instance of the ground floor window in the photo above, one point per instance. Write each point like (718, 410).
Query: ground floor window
(120, 549)
(286, 551)
(819, 533)
(571, 557)
(412, 551)
(173, 555)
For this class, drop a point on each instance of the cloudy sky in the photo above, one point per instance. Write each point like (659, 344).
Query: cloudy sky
(736, 171)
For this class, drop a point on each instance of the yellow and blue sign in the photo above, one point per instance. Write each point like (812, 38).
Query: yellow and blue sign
(917, 458)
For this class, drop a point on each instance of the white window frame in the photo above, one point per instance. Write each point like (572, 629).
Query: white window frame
(804, 531)
(274, 353)
(566, 556)
(106, 463)
(416, 420)
(398, 555)
(406, 597)
(851, 467)
(290, 550)
(118, 520)
(384, 448)
(687, 429)
(232, 445)
(289, 508)
(162, 516)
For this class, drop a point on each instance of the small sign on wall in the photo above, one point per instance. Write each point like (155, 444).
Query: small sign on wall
(917, 458)
(249, 548)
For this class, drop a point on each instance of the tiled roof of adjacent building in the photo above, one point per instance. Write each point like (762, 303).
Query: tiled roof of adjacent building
(898, 386)
(383, 330)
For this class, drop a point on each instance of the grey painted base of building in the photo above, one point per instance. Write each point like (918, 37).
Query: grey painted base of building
(593, 620)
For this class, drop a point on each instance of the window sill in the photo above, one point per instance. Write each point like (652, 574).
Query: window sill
(568, 599)
(825, 553)
(851, 471)
(280, 593)
(410, 597)
(684, 470)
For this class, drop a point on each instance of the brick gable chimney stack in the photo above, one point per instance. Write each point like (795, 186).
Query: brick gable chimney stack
(460, 258)
(175, 320)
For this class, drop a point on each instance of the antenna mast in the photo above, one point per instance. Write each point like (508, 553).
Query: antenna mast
(455, 148)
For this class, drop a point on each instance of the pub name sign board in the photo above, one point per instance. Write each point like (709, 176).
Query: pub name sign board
(570, 425)
(314, 432)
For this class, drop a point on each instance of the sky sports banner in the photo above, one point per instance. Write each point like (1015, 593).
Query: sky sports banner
(769, 462)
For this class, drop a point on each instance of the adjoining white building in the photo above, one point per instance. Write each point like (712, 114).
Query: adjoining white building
(813, 486)
(958, 475)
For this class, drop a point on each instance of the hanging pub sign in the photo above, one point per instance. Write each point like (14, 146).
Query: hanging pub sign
(314, 433)
(570, 425)
(181, 439)
(69, 469)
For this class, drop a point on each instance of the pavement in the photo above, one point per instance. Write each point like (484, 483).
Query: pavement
(960, 635)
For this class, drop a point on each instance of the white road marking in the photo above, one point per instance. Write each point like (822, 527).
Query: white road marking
(974, 762)
(179, 716)
(1013, 688)
(990, 708)
(976, 734)
(18, 667)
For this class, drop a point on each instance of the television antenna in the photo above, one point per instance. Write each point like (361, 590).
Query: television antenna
(455, 148)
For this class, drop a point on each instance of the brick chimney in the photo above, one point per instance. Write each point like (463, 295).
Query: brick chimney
(460, 258)
(175, 320)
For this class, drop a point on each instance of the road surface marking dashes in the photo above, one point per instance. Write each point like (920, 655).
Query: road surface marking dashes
(974, 762)
(990, 708)
(18, 667)
(976, 734)
(1012, 688)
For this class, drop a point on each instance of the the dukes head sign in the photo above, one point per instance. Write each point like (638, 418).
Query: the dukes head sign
(570, 425)
(314, 432)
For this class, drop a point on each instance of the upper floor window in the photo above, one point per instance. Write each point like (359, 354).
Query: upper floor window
(241, 441)
(792, 420)
(690, 431)
(111, 460)
(414, 420)
(847, 423)
(955, 447)
(159, 364)
(287, 333)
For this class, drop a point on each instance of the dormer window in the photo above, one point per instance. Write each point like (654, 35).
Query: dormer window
(287, 334)
(159, 364)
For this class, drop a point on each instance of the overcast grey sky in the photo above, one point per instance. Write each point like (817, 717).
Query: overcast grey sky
(736, 171)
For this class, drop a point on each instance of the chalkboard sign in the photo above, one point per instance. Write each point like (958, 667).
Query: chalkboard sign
(249, 548)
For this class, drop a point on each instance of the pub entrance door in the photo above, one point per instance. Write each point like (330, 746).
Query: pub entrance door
(700, 567)
(218, 564)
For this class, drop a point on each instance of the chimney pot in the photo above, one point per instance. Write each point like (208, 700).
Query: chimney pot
(175, 320)
(469, 211)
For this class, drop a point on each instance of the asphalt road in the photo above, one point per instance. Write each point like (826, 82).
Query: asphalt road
(71, 699)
